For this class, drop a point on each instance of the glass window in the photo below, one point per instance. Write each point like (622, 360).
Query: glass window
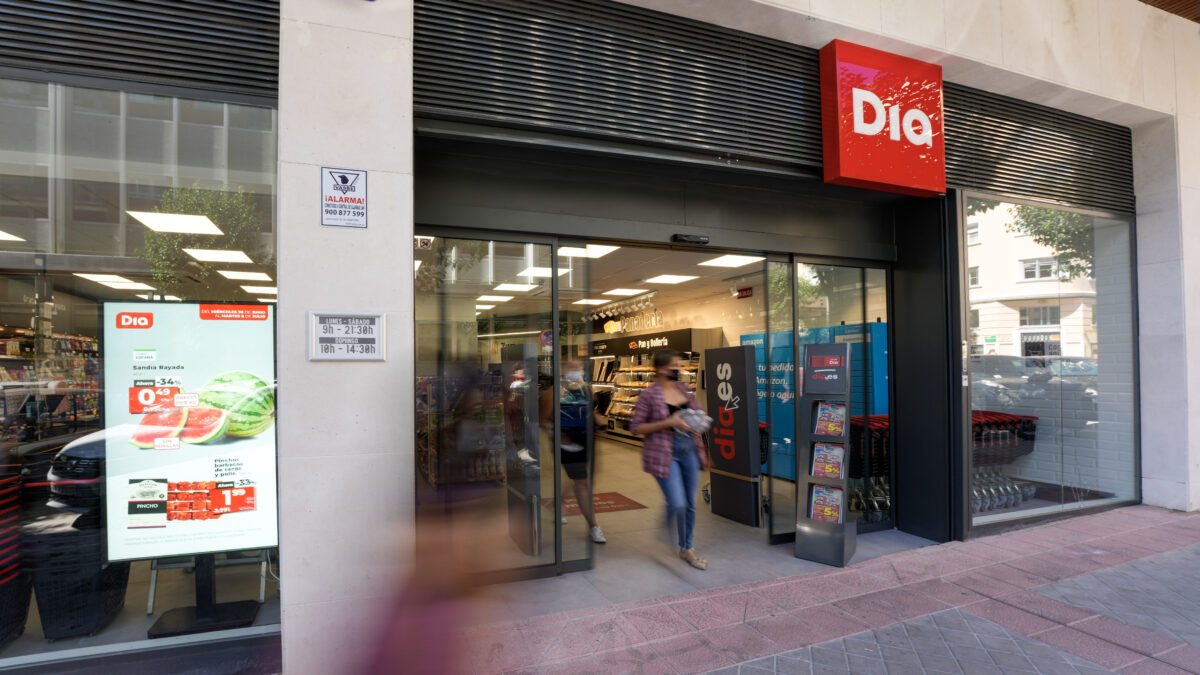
(1040, 316)
(973, 276)
(972, 233)
(974, 318)
(124, 487)
(1038, 269)
(1051, 371)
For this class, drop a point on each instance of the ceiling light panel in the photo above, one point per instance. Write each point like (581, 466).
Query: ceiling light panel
(216, 255)
(515, 288)
(104, 278)
(670, 279)
(590, 302)
(261, 290)
(5, 236)
(494, 298)
(175, 222)
(130, 286)
(485, 306)
(624, 292)
(732, 260)
(244, 276)
(592, 251)
(542, 272)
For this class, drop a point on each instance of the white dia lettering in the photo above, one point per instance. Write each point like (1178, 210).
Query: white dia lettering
(914, 124)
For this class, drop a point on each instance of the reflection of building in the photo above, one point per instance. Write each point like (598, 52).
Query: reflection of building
(1020, 303)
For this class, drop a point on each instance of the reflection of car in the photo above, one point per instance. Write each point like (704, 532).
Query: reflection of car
(77, 474)
(1002, 382)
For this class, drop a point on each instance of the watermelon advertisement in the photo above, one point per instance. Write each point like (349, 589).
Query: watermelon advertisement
(189, 432)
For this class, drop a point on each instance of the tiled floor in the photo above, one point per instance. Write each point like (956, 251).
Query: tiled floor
(1039, 599)
(1160, 594)
(946, 642)
(636, 564)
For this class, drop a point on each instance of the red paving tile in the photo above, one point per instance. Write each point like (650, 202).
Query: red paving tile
(1129, 637)
(886, 607)
(1052, 566)
(691, 654)
(583, 666)
(1010, 617)
(808, 626)
(986, 551)
(706, 613)
(1019, 578)
(1186, 657)
(1036, 603)
(657, 623)
(952, 595)
(740, 643)
(983, 584)
(936, 564)
(592, 634)
(1100, 652)
(641, 659)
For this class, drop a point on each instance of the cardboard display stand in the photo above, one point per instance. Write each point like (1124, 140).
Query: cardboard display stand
(825, 531)
(732, 400)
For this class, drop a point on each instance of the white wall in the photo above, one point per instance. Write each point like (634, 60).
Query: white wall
(1116, 60)
(345, 430)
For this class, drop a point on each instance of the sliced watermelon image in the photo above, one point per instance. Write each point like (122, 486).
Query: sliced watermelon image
(204, 425)
(248, 399)
(165, 424)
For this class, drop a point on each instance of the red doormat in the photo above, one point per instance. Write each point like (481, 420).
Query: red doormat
(606, 502)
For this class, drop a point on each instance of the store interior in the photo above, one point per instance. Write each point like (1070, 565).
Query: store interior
(58, 591)
(486, 322)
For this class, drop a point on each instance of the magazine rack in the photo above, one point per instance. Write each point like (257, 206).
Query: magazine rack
(825, 531)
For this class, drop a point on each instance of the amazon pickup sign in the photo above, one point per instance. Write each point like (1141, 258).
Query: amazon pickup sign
(343, 197)
(881, 118)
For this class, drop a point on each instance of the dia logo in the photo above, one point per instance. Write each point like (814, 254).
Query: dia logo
(915, 124)
(135, 320)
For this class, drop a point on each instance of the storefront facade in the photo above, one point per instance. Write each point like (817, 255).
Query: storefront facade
(1033, 361)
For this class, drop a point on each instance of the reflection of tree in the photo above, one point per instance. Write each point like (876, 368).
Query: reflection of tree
(1071, 236)
(175, 271)
(813, 286)
(459, 257)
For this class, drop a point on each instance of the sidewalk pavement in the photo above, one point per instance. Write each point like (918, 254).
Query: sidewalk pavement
(1117, 591)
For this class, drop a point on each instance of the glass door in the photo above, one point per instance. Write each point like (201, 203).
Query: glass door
(485, 450)
(816, 303)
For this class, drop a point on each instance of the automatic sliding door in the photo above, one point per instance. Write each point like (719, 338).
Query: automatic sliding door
(484, 326)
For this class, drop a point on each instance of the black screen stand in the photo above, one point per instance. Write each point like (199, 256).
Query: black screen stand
(207, 615)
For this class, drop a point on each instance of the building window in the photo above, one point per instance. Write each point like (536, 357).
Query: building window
(1041, 268)
(977, 350)
(972, 276)
(974, 318)
(972, 233)
(1040, 316)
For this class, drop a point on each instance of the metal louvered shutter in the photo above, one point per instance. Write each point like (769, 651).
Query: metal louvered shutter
(1021, 149)
(211, 45)
(608, 70)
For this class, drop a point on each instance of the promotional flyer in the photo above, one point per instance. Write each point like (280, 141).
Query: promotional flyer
(190, 437)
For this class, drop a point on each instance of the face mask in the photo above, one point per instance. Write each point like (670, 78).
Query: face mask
(673, 374)
(573, 376)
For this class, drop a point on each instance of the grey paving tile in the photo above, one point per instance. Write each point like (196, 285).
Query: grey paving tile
(1158, 594)
(785, 666)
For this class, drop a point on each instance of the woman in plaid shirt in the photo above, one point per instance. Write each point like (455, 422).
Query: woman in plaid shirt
(671, 451)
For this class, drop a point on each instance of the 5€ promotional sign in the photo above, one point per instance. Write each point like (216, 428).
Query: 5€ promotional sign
(881, 118)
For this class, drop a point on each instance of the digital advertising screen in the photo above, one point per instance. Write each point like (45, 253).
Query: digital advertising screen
(189, 432)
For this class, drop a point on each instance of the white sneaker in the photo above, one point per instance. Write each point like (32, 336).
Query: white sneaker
(598, 535)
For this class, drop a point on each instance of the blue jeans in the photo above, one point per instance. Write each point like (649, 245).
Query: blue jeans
(680, 489)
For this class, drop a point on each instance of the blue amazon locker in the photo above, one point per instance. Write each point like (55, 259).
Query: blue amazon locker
(776, 381)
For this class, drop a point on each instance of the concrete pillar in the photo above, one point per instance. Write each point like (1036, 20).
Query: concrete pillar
(345, 429)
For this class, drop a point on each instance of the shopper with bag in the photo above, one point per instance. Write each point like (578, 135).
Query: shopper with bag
(671, 421)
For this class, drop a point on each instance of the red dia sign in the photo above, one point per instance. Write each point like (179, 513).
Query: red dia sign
(881, 117)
